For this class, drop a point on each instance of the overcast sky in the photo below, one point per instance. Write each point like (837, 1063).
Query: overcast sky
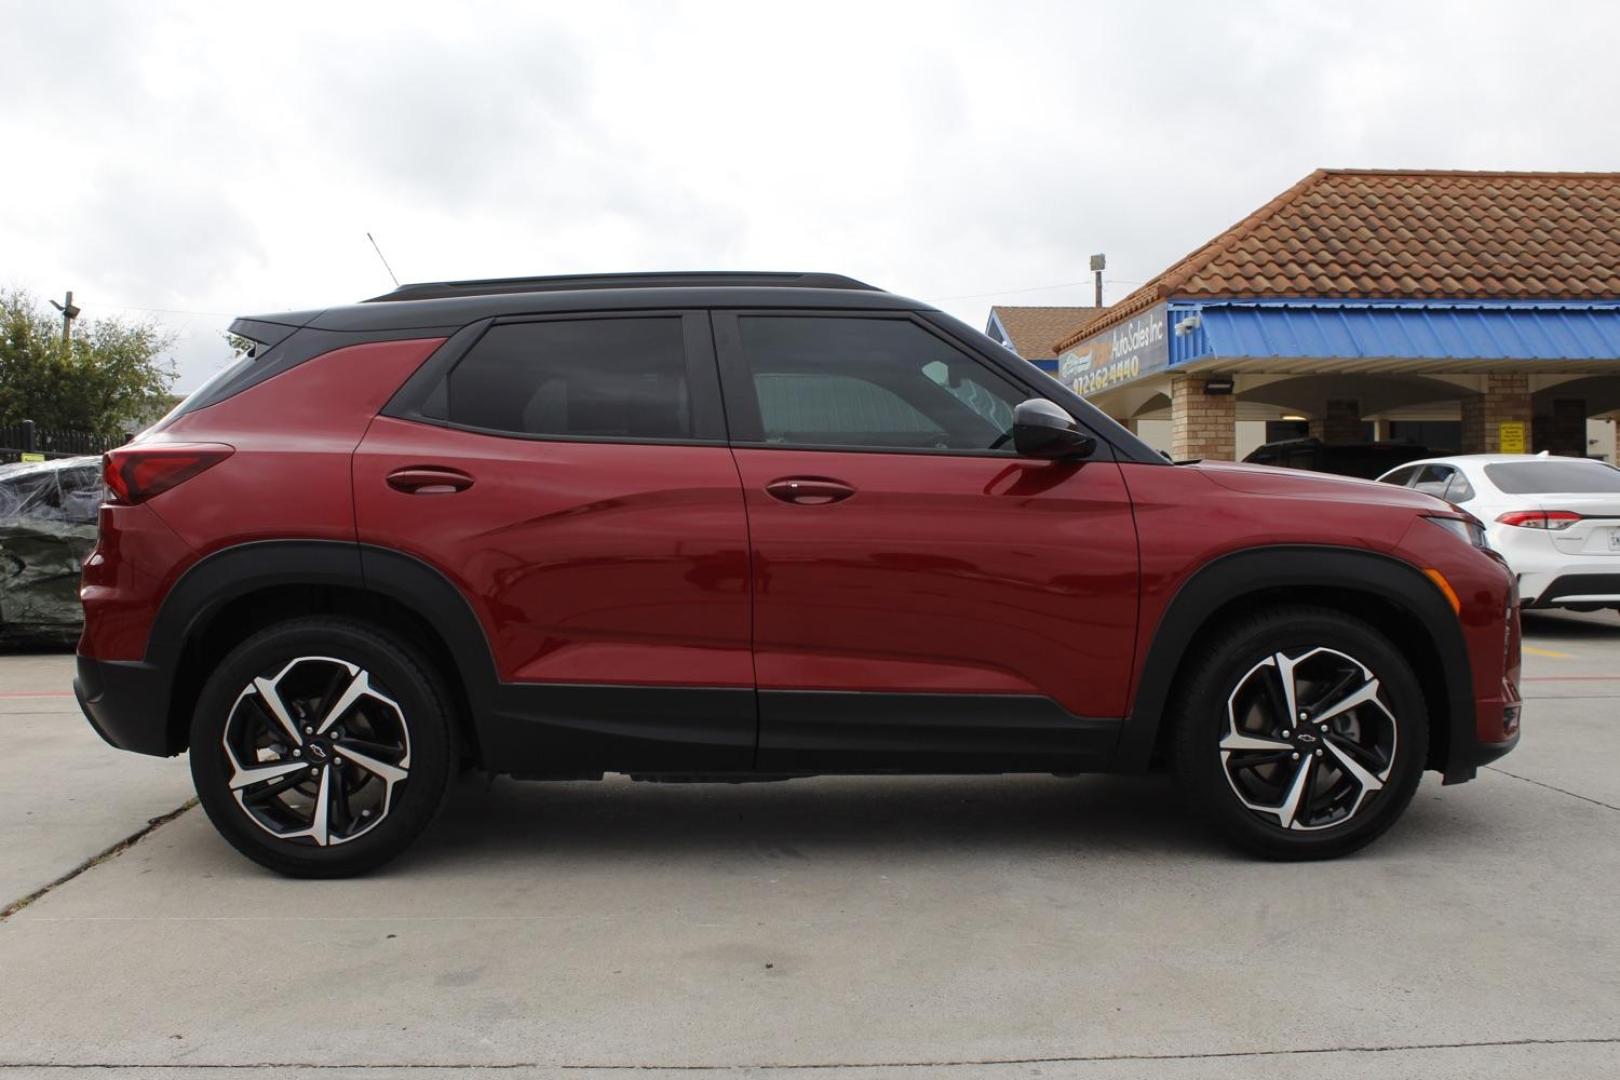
(190, 162)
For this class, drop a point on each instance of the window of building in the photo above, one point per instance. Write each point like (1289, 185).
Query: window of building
(1434, 434)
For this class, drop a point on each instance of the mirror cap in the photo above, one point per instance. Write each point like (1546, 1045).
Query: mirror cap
(1044, 429)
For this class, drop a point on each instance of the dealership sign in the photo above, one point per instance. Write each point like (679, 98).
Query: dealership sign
(1125, 352)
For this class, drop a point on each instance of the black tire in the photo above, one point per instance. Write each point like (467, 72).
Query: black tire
(1236, 670)
(403, 802)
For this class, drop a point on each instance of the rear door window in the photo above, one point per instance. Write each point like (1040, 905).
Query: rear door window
(616, 379)
(1402, 476)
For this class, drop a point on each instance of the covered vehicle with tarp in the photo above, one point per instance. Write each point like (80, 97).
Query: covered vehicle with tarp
(47, 528)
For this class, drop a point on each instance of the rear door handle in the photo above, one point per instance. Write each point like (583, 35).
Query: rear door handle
(808, 490)
(429, 480)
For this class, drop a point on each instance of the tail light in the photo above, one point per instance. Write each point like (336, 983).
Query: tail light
(1539, 519)
(134, 474)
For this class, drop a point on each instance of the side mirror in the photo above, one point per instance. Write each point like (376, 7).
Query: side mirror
(1042, 429)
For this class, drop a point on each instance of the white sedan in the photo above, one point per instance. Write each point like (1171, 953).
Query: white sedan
(1555, 519)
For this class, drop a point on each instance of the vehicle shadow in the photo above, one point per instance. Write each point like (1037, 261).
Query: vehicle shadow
(842, 816)
(1553, 625)
(905, 818)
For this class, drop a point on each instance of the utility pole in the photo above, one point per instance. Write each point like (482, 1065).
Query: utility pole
(1098, 263)
(69, 313)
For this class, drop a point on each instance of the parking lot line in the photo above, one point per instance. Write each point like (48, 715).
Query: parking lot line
(1533, 651)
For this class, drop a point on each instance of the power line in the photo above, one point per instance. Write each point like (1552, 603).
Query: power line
(168, 311)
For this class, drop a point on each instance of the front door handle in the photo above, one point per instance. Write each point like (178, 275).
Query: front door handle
(808, 490)
(429, 480)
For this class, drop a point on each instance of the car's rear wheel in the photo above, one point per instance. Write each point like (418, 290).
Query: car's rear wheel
(1301, 734)
(321, 747)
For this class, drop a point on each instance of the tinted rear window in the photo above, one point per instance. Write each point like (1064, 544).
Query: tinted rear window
(1568, 476)
(585, 378)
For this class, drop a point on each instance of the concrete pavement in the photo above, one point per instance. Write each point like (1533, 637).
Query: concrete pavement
(978, 927)
(65, 795)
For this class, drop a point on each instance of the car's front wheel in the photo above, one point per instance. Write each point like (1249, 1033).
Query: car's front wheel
(1301, 734)
(321, 747)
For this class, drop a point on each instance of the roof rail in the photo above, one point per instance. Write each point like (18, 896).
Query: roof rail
(438, 290)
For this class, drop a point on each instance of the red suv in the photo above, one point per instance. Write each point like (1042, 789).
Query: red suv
(749, 527)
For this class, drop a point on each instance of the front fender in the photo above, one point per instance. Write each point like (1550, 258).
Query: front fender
(1221, 587)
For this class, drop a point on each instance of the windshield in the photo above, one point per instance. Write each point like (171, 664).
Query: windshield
(1565, 476)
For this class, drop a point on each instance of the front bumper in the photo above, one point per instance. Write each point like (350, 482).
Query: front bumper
(127, 702)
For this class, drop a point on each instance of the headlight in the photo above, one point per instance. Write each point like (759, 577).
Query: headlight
(1466, 529)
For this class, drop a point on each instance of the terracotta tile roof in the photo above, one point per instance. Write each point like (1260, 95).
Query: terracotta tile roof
(1362, 233)
(1033, 329)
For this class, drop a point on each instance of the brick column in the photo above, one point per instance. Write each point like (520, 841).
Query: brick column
(1506, 399)
(1341, 424)
(1201, 425)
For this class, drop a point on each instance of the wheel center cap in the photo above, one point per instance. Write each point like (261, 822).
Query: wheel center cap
(1306, 737)
(317, 751)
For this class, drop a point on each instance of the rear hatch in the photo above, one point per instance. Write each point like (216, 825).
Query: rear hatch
(1598, 530)
(1580, 497)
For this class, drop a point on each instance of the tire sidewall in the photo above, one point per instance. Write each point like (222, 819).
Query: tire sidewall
(416, 800)
(1204, 717)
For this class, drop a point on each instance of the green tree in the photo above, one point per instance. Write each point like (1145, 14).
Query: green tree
(111, 380)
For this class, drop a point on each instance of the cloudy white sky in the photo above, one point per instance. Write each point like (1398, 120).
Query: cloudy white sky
(188, 161)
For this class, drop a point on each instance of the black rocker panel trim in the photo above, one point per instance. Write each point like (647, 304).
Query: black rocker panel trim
(1258, 570)
(864, 732)
(548, 730)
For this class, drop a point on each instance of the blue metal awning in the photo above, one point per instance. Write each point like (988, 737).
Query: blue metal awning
(1394, 330)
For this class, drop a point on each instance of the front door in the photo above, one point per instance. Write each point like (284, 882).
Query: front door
(570, 476)
(923, 597)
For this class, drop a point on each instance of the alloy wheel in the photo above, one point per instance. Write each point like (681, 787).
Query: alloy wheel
(317, 751)
(1308, 740)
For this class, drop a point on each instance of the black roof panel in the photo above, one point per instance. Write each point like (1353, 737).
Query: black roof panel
(439, 290)
(461, 310)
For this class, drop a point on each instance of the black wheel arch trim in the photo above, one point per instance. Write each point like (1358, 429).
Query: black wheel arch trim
(1255, 571)
(231, 573)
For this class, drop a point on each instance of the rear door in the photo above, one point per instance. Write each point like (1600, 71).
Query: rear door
(570, 476)
(924, 598)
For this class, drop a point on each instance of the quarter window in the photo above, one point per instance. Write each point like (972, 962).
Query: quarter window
(584, 378)
(1432, 480)
(872, 384)
(1458, 489)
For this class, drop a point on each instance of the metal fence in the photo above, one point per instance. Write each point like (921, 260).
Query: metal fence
(25, 440)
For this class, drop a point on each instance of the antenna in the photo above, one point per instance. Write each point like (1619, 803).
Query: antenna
(384, 259)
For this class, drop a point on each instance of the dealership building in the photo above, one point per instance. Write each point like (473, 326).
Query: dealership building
(1465, 311)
